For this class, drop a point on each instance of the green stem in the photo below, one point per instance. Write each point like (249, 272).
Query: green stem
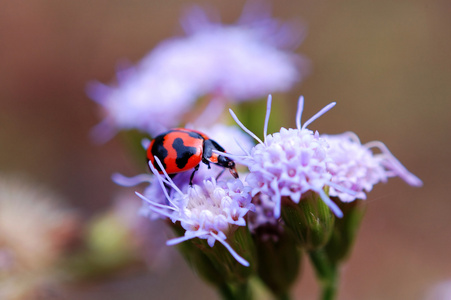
(235, 292)
(226, 292)
(244, 292)
(329, 288)
(326, 272)
(284, 297)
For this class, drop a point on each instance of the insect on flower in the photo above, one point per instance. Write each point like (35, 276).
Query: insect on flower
(182, 149)
(212, 210)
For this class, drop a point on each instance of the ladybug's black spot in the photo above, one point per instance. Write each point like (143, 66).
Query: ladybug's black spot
(183, 152)
(194, 134)
(159, 151)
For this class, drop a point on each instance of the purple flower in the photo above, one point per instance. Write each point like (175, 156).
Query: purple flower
(355, 167)
(145, 99)
(208, 210)
(221, 62)
(289, 163)
(246, 60)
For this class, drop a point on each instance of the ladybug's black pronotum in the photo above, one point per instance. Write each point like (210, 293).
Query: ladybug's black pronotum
(183, 149)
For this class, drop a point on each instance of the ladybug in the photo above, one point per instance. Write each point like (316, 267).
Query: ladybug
(182, 149)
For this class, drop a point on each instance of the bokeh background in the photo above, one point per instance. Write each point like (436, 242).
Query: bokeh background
(386, 63)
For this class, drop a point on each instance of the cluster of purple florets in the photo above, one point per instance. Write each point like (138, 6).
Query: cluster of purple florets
(229, 64)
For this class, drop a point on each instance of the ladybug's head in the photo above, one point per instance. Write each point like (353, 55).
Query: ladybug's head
(220, 160)
(229, 164)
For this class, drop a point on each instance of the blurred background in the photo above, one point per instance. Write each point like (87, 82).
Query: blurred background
(386, 63)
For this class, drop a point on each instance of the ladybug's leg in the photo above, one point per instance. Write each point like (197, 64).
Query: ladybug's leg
(220, 173)
(206, 162)
(192, 175)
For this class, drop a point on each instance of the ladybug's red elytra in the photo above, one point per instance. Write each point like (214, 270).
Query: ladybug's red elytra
(183, 149)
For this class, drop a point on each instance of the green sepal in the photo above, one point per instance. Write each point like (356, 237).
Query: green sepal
(326, 261)
(345, 230)
(241, 241)
(311, 220)
(197, 259)
(279, 262)
(215, 264)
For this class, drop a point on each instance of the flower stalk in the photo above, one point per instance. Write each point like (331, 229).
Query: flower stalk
(326, 272)
(328, 259)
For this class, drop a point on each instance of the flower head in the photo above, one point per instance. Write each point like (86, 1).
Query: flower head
(248, 59)
(146, 99)
(289, 163)
(34, 225)
(36, 231)
(355, 166)
(228, 62)
(211, 210)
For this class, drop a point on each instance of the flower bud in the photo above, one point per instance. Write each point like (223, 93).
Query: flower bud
(345, 230)
(197, 259)
(279, 262)
(311, 220)
(215, 264)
